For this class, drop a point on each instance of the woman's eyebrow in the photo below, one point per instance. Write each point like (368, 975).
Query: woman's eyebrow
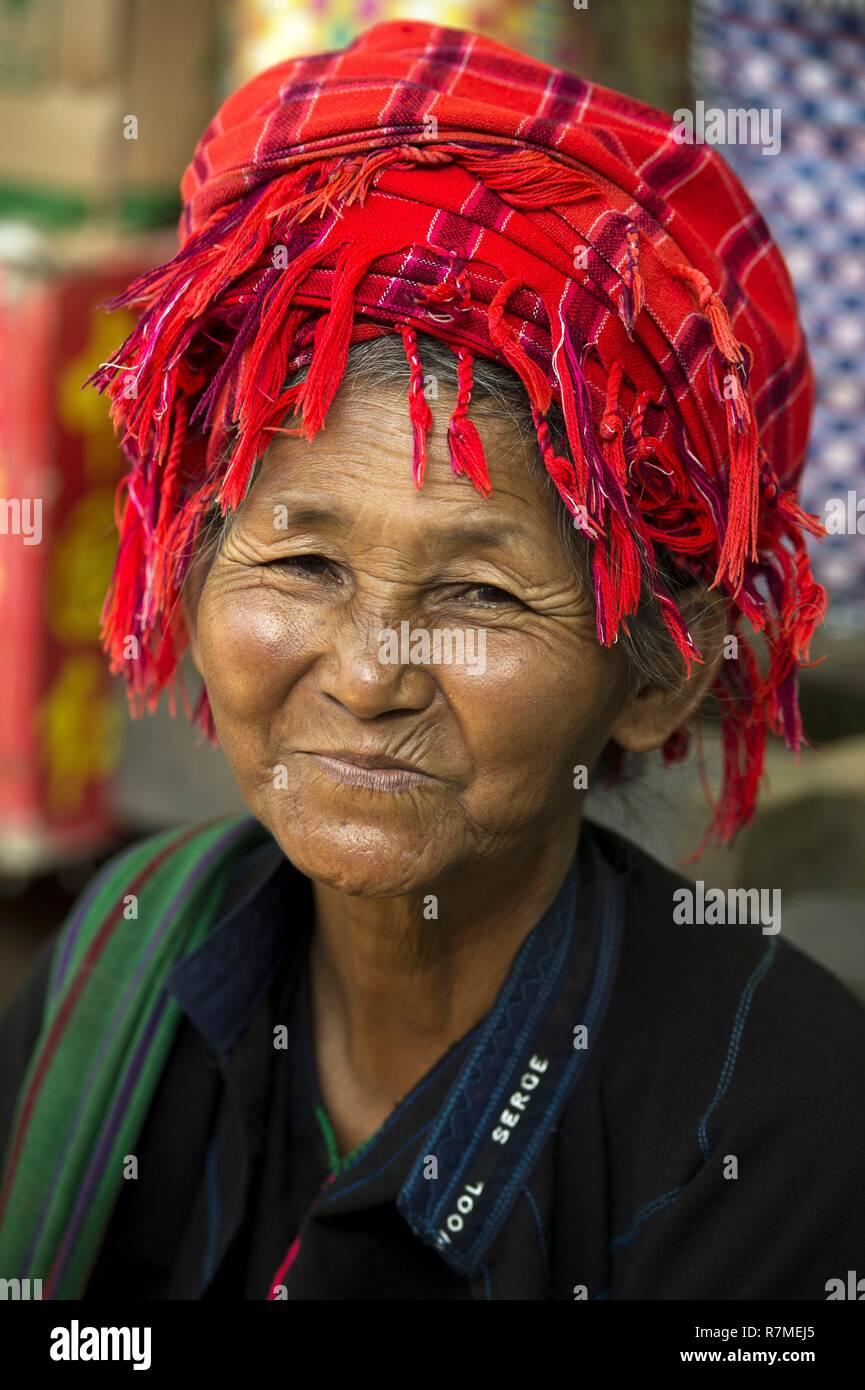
(464, 533)
(305, 514)
(483, 537)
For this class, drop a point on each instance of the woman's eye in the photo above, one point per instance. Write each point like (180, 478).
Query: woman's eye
(488, 594)
(311, 565)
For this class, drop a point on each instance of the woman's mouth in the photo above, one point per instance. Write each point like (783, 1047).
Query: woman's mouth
(379, 775)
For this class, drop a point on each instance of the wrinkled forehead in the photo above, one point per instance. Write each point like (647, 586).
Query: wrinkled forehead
(358, 471)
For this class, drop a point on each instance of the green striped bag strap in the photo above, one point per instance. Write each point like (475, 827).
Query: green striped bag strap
(107, 1029)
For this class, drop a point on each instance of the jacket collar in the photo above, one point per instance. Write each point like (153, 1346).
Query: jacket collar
(220, 984)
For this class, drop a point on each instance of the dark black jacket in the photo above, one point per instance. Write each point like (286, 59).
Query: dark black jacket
(703, 1137)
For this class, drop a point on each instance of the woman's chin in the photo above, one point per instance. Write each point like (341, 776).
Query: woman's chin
(360, 842)
(355, 859)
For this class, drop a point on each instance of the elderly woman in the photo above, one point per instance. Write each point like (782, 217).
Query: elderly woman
(415, 1029)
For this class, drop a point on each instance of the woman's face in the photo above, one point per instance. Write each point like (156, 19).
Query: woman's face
(332, 547)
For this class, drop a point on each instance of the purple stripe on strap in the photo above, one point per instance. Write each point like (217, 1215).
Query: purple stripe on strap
(74, 926)
(121, 1103)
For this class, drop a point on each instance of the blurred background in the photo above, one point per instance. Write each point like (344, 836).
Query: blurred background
(101, 103)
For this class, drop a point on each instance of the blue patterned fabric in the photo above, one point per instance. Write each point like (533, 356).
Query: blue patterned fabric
(808, 60)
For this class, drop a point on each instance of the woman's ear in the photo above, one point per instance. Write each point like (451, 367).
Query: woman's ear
(653, 712)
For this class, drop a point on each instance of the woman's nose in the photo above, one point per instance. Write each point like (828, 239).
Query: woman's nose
(365, 669)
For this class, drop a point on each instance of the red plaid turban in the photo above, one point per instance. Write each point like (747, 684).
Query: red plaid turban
(429, 179)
